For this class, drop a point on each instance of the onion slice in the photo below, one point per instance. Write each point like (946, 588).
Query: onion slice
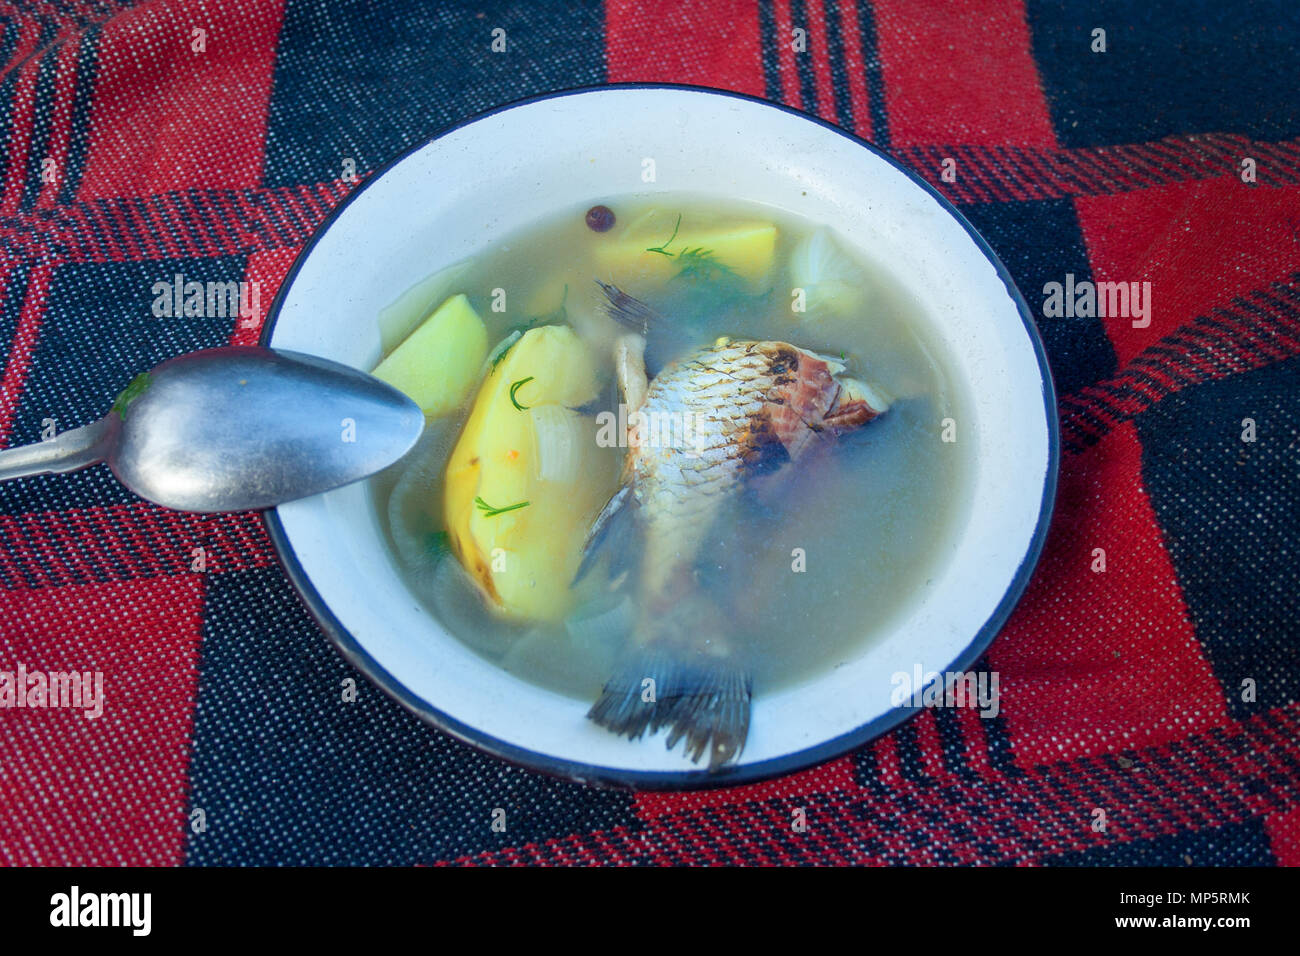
(830, 278)
(557, 442)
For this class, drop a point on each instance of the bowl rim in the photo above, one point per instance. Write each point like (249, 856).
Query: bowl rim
(689, 779)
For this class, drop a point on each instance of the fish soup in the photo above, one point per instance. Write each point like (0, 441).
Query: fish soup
(679, 453)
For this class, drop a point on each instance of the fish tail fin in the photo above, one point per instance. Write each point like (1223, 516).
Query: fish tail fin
(704, 702)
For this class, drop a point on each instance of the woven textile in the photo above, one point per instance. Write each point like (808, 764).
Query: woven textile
(208, 138)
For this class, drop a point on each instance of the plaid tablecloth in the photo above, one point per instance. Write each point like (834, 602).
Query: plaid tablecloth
(206, 138)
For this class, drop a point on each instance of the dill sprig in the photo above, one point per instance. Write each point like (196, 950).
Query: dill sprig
(491, 512)
(663, 249)
(515, 387)
(696, 262)
(713, 285)
(701, 263)
(505, 345)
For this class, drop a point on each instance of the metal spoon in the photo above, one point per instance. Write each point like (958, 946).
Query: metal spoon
(236, 429)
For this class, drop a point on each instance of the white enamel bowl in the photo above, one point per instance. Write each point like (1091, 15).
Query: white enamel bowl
(503, 170)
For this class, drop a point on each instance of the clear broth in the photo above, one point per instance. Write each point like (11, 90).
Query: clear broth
(874, 520)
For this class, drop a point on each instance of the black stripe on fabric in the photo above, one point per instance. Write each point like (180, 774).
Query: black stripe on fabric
(8, 88)
(1086, 413)
(1162, 389)
(1177, 367)
(119, 245)
(866, 767)
(79, 132)
(839, 66)
(908, 743)
(9, 41)
(953, 742)
(803, 59)
(8, 99)
(1244, 748)
(176, 229)
(1144, 781)
(287, 217)
(1213, 334)
(270, 218)
(1279, 753)
(1288, 289)
(768, 47)
(1265, 328)
(1236, 351)
(192, 205)
(91, 221)
(42, 117)
(1120, 391)
(998, 741)
(875, 75)
(1284, 313)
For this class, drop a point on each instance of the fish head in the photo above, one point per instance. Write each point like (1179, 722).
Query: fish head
(829, 399)
(813, 398)
(854, 404)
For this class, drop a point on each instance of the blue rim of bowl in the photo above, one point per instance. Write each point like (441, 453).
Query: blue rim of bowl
(691, 779)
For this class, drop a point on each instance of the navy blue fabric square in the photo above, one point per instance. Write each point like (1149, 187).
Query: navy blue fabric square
(1233, 535)
(366, 81)
(1040, 242)
(1171, 68)
(99, 332)
(1237, 844)
(13, 292)
(287, 772)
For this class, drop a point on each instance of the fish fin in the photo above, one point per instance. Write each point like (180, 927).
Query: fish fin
(611, 531)
(629, 366)
(704, 702)
(627, 310)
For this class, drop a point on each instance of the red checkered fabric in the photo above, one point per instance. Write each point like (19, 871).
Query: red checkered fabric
(1155, 142)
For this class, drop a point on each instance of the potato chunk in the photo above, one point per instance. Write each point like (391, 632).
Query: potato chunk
(438, 363)
(524, 557)
(746, 248)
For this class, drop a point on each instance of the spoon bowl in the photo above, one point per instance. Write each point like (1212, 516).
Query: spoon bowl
(236, 429)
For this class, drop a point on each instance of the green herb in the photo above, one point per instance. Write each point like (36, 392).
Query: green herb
(514, 388)
(438, 544)
(714, 286)
(129, 394)
(663, 250)
(491, 512)
(504, 346)
(700, 263)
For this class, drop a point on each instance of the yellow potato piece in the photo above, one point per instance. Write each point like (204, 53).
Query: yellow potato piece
(745, 248)
(438, 363)
(524, 559)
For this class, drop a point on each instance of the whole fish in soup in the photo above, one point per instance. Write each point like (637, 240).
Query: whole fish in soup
(705, 425)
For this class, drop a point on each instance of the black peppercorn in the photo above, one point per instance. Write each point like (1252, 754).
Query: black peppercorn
(600, 218)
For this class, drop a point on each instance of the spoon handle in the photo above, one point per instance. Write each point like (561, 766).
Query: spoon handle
(69, 451)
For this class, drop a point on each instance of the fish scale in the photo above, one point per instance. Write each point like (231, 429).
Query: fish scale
(682, 486)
